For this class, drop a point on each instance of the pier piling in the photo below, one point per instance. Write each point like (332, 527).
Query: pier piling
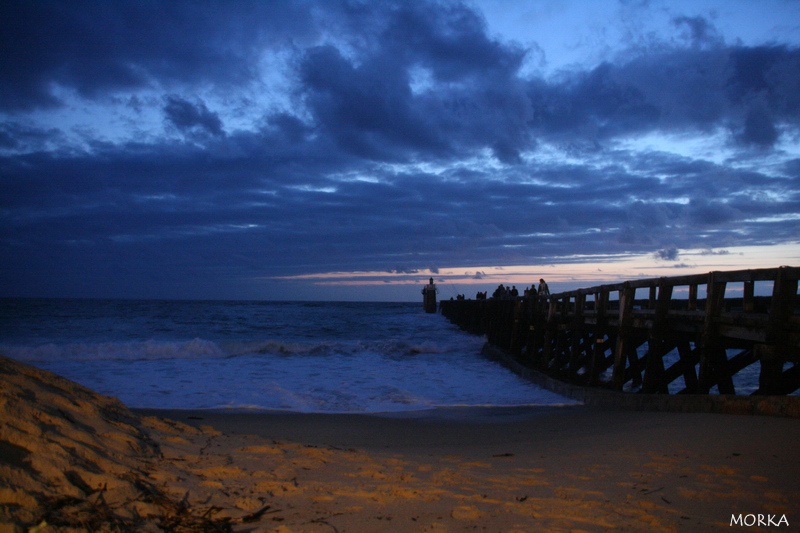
(671, 342)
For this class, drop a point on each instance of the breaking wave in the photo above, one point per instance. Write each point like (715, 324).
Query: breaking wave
(323, 357)
(206, 349)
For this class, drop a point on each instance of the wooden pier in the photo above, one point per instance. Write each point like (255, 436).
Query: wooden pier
(654, 335)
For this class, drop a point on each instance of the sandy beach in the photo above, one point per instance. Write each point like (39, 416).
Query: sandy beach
(72, 460)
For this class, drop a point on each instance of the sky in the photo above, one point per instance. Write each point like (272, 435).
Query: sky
(350, 150)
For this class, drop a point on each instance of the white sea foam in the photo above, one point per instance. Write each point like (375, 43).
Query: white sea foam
(130, 351)
(295, 357)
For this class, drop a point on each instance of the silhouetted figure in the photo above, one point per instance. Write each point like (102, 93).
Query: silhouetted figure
(544, 290)
(499, 292)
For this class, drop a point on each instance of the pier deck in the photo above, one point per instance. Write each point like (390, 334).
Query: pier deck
(674, 335)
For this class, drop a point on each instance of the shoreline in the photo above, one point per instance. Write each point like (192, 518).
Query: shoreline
(70, 458)
(534, 428)
(589, 467)
(455, 428)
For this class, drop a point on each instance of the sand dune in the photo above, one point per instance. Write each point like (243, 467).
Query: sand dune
(72, 460)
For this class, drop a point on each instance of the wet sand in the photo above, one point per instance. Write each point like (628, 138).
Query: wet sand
(557, 469)
(67, 452)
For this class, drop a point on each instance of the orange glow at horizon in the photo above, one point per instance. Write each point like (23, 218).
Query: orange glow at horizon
(580, 270)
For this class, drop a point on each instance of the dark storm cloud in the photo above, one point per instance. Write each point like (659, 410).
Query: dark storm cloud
(16, 136)
(96, 47)
(368, 105)
(667, 254)
(700, 31)
(411, 140)
(189, 117)
(759, 128)
(366, 109)
(745, 90)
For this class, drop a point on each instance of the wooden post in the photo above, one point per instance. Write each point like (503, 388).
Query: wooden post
(773, 356)
(491, 320)
(535, 330)
(688, 360)
(597, 366)
(713, 361)
(517, 330)
(784, 293)
(657, 343)
(566, 338)
(692, 305)
(578, 327)
(506, 324)
(560, 354)
(624, 340)
(601, 307)
(748, 299)
(550, 333)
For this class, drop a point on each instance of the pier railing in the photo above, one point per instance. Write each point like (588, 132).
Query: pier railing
(683, 335)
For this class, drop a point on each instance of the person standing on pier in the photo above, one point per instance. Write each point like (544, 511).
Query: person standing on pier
(544, 290)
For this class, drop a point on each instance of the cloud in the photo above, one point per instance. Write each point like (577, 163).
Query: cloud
(667, 254)
(472, 98)
(711, 213)
(22, 137)
(714, 252)
(403, 271)
(94, 48)
(191, 118)
(249, 139)
(700, 31)
(759, 128)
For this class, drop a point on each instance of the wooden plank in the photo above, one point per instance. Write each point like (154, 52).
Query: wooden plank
(658, 345)
(773, 357)
(581, 333)
(578, 329)
(689, 359)
(748, 300)
(597, 365)
(764, 274)
(517, 330)
(623, 347)
(692, 303)
(550, 333)
(601, 307)
(784, 294)
(712, 353)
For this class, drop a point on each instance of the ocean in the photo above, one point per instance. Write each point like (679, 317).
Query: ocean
(316, 357)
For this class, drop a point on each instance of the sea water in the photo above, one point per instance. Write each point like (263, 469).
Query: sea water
(295, 356)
